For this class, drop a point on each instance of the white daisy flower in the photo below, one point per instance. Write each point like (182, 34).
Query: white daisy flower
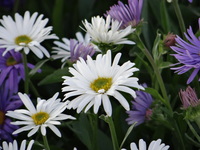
(107, 31)
(14, 145)
(25, 33)
(95, 80)
(72, 49)
(154, 145)
(47, 113)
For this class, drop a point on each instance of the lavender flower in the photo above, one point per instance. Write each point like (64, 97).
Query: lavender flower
(127, 14)
(189, 98)
(190, 104)
(7, 102)
(141, 108)
(190, 1)
(11, 69)
(72, 49)
(187, 54)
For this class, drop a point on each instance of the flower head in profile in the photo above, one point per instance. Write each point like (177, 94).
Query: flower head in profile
(72, 49)
(107, 32)
(191, 103)
(8, 102)
(25, 33)
(154, 145)
(47, 113)
(12, 69)
(187, 53)
(93, 81)
(14, 145)
(127, 14)
(141, 110)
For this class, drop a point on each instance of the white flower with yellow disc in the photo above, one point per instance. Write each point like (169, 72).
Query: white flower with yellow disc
(47, 113)
(93, 81)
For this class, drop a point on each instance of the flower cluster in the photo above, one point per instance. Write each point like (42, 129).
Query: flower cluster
(65, 90)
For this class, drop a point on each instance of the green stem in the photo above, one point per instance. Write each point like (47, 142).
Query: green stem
(193, 130)
(179, 16)
(33, 89)
(157, 72)
(46, 144)
(26, 82)
(162, 87)
(94, 124)
(113, 133)
(179, 134)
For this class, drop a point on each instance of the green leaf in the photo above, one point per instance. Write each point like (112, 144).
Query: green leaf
(55, 77)
(155, 94)
(163, 65)
(82, 129)
(37, 67)
(164, 16)
(155, 50)
(127, 134)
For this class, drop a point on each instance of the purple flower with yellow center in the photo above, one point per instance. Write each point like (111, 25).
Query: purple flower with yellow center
(187, 54)
(7, 102)
(141, 110)
(12, 69)
(127, 14)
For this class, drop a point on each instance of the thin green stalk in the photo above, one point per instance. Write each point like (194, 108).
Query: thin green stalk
(33, 89)
(193, 131)
(26, 82)
(94, 124)
(46, 144)
(156, 70)
(179, 16)
(179, 134)
(113, 133)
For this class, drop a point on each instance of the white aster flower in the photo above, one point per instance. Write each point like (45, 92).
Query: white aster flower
(154, 145)
(25, 33)
(95, 80)
(47, 113)
(107, 31)
(14, 145)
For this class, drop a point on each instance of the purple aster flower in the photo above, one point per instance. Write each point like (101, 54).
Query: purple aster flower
(141, 108)
(12, 69)
(127, 14)
(187, 54)
(7, 102)
(72, 49)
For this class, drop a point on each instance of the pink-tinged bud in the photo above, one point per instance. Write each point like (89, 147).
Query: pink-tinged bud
(169, 40)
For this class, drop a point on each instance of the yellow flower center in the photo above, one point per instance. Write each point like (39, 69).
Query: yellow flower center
(11, 61)
(2, 117)
(22, 39)
(40, 118)
(101, 85)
